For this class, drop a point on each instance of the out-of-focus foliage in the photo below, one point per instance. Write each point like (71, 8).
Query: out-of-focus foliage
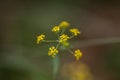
(18, 68)
(113, 58)
(22, 20)
(76, 71)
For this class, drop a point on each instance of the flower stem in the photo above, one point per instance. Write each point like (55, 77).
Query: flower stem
(57, 45)
(71, 37)
(70, 51)
(63, 30)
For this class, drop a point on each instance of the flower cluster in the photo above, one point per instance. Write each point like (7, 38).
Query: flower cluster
(62, 39)
(40, 38)
(56, 29)
(78, 54)
(52, 51)
(64, 24)
(75, 31)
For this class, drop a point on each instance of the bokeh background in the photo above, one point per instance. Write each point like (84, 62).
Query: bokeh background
(22, 20)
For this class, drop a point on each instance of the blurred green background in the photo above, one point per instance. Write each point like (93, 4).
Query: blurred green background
(22, 20)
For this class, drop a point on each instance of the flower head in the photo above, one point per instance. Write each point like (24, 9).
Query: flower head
(52, 51)
(63, 38)
(40, 38)
(75, 31)
(56, 29)
(78, 54)
(64, 24)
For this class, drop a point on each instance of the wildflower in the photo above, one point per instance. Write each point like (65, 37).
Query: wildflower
(75, 31)
(78, 54)
(40, 38)
(63, 38)
(52, 51)
(64, 24)
(56, 29)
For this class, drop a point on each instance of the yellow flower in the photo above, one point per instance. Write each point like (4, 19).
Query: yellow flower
(78, 54)
(63, 38)
(64, 24)
(56, 29)
(75, 31)
(40, 38)
(52, 51)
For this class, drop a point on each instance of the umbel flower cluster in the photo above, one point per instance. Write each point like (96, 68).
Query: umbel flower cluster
(62, 39)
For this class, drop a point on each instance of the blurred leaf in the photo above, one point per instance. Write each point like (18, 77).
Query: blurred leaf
(113, 58)
(19, 68)
(84, 43)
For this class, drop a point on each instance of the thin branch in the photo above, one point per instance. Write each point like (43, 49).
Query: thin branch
(70, 51)
(71, 37)
(63, 30)
(58, 45)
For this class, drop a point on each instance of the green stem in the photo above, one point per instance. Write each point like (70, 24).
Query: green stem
(58, 35)
(57, 45)
(70, 51)
(63, 30)
(71, 36)
(56, 62)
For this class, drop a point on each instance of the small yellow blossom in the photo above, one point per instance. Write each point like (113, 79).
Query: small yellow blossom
(40, 38)
(56, 29)
(64, 24)
(78, 54)
(63, 38)
(52, 51)
(75, 31)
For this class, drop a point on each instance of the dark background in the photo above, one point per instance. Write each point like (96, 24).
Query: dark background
(22, 20)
